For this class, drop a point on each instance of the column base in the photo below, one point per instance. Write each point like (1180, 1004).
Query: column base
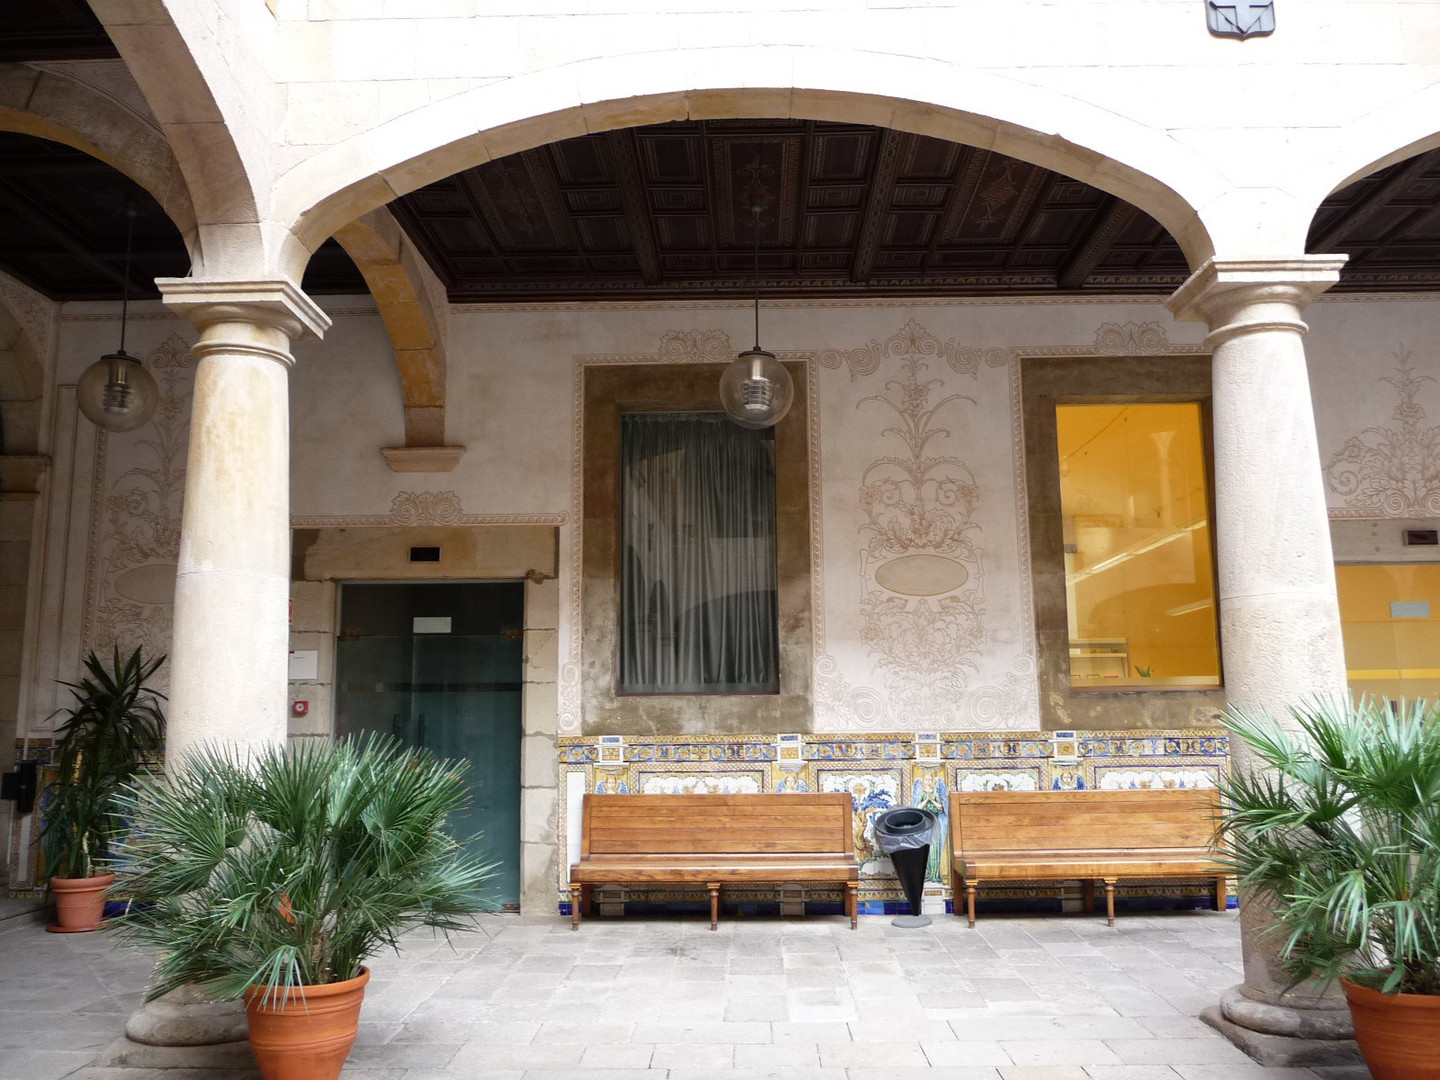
(227, 1056)
(1277, 1036)
(184, 1018)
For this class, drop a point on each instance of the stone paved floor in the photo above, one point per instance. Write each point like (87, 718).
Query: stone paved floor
(1033, 998)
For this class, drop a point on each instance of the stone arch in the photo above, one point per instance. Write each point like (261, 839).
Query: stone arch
(50, 106)
(1382, 137)
(415, 311)
(1139, 164)
(208, 86)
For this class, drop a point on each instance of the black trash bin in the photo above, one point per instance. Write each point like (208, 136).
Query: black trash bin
(905, 834)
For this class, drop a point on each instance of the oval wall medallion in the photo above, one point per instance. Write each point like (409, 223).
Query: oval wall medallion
(921, 575)
(153, 583)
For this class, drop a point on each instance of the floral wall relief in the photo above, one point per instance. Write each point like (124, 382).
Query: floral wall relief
(924, 600)
(1392, 471)
(133, 561)
(923, 606)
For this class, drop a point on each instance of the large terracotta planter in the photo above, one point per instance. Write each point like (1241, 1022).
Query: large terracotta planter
(307, 1036)
(1399, 1034)
(79, 903)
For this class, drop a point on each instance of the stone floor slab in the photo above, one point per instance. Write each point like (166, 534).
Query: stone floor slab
(1019, 998)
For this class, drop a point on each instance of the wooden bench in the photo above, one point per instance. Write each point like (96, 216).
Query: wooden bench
(1082, 835)
(715, 840)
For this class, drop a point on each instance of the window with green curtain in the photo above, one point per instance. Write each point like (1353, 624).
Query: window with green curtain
(698, 608)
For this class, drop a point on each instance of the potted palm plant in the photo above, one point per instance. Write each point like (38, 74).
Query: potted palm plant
(273, 874)
(1339, 833)
(113, 730)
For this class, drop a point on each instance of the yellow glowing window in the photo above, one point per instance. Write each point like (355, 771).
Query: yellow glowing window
(1390, 617)
(1139, 578)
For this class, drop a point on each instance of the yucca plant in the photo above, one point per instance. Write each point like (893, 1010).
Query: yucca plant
(288, 867)
(114, 728)
(1339, 833)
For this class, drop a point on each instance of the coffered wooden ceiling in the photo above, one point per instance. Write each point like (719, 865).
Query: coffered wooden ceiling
(52, 30)
(664, 212)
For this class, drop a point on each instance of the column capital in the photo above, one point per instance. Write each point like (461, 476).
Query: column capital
(275, 303)
(1281, 288)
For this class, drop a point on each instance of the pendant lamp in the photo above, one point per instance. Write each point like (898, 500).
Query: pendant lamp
(756, 390)
(116, 393)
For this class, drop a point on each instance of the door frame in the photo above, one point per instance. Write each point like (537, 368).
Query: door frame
(323, 558)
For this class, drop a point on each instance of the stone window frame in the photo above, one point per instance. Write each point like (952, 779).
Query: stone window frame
(1046, 382)
(607, 391)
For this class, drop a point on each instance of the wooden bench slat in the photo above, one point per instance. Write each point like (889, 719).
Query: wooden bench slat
(1084, 835)
(715, 840)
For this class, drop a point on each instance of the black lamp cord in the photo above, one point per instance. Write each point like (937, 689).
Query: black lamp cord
(755, 211)
(125, 284)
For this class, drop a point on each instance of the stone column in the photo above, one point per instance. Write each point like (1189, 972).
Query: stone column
(1279, 618)
(230, 645)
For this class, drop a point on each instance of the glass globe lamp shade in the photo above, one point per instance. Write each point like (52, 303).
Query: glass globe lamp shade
(116, 393)
(756, 390)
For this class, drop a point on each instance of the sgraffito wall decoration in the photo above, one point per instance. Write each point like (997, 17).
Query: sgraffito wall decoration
(1392, 471)
(920, 648)
(135, 523)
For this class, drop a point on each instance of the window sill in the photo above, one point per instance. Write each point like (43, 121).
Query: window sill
(1130, 686)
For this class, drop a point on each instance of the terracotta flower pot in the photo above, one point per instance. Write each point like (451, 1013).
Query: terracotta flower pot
(1399, 1034)
(308, 1035)
(79, 902)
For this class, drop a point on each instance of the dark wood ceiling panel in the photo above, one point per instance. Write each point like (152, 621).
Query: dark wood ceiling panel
(52, 30)
(63, 224)
(1389, 226)
(750, 171)
(672, 158)
(835, 197)
(664, 211)
(675, 233)
(603, 234)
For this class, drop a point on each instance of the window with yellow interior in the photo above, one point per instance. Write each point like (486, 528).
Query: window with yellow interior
(1139, 565)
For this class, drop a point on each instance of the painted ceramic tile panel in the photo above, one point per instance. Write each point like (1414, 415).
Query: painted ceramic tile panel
(880, 771)
(871, 794)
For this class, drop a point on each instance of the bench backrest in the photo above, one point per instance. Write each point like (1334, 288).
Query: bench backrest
(716, 824)
(986, 822)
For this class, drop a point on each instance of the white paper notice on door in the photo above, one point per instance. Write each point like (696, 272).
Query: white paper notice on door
(430, 624)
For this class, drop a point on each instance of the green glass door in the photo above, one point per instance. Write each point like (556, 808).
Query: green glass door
(439, 665)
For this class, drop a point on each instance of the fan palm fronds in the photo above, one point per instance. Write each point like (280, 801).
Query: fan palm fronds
(289, 866)
(1340, 834)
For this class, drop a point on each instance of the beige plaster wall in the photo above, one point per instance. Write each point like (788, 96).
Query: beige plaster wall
(104, 528)
(106, 532)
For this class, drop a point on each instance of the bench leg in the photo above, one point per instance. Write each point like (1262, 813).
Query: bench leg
(852, 903)
(576, 892)
(970, 902)
(714, 888)
(1110, 901)
(1087, 894)
(1222, 890)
